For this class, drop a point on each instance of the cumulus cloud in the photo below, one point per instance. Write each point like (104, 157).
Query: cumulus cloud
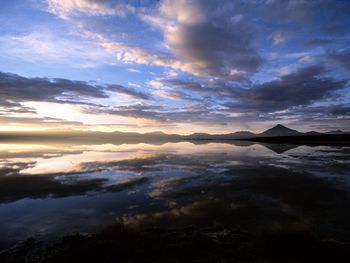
(206, 39)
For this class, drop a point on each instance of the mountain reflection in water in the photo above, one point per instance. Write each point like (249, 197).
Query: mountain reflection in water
(47, 191)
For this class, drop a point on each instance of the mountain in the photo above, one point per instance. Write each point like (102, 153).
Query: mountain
(242, 134)
(335, 132)
(228, 136)
(161, 137)
(312, 133)
(279, 130)
(155, 133)
(199, 135)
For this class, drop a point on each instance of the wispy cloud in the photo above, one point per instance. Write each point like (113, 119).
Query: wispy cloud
(65, 8)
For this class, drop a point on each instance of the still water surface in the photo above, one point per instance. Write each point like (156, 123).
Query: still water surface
(47, 191)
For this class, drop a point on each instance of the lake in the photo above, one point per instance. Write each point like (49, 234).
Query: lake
(56, 189)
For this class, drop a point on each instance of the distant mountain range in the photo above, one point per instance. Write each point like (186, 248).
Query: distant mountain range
(278, 133)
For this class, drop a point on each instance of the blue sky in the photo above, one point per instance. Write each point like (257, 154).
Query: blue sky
(176, 66)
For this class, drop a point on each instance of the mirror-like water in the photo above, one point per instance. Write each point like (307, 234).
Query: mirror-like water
(51, 190)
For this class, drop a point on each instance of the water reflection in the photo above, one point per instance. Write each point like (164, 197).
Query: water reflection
(55, 189)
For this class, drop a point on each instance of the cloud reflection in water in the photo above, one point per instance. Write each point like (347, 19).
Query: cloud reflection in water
(66, 189)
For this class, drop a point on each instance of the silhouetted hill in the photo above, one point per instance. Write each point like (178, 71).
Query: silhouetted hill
(312, 133)
(335, 132)
(242, 134)
(279, 130)
(229, 136)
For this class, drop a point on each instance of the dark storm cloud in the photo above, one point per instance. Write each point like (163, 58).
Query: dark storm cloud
(323, 116)
(15, 88)
(342, 57)
(330, 110)
(218, 49)
(210, 39)
(339, 110)
(302, 87)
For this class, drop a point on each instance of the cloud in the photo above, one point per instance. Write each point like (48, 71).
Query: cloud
(203, 38)
(287, 97)
(133, 54)
(302, 87)
(15, 88)
(46, 122)
(173, 95)
(196, 41)
(318, 42)
(186, 12)
(306, 59)
(139, 111)
(206, 40)
(66, 8)
(133, 70)
(323, 117)
(215, 89)
(342, 57)
(44, 47)
(278, 38)
(164, 115)
(129, 183)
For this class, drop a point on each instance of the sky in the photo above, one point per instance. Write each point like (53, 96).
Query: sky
(177, 66)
